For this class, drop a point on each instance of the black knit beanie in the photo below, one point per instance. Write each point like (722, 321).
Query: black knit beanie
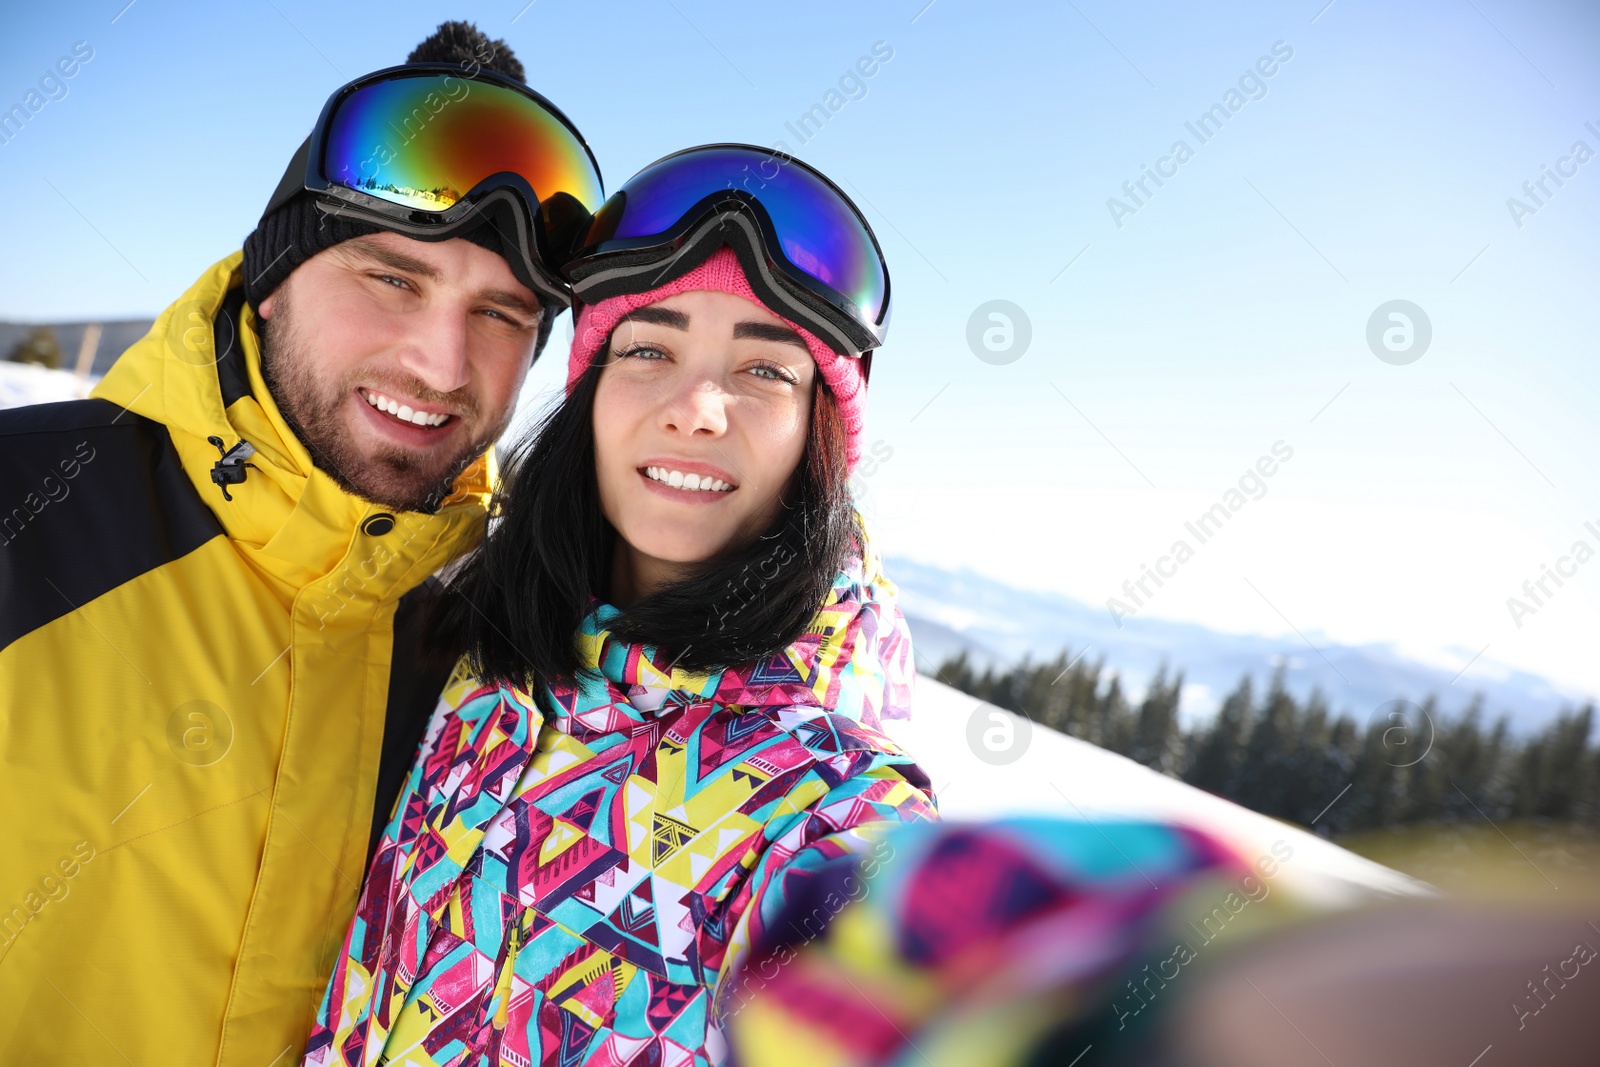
(298, 230)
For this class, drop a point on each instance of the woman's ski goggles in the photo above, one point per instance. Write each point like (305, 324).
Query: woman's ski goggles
(805, 247)
(428, 150)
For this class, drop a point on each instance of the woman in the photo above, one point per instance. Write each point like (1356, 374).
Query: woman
(678, 647)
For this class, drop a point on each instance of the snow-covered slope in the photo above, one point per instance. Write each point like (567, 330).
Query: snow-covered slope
(24, 383)
(1065, 777)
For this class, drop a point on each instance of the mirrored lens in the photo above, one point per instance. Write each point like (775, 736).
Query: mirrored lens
(818, 230)
(425, 141)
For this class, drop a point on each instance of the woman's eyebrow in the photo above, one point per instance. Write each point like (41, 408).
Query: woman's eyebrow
(657, 316)
(765, 331)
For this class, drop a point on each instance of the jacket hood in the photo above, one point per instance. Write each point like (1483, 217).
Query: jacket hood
(292, 519)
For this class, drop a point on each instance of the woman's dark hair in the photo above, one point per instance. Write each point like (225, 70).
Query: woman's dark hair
(514, 605)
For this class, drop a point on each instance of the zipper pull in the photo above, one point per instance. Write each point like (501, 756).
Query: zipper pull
(230, 469)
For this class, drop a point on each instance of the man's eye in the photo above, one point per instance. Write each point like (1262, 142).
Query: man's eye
(390, 279)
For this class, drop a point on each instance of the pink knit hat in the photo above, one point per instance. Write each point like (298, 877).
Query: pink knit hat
(722, 274)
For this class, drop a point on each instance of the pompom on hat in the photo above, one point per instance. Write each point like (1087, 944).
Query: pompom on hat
(721, 273)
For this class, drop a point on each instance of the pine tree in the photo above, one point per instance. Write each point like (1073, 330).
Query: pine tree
(957, 673)
(1553, 780)
(1156, 741)
(1425, 757)
(1377, 795)
(1112, 724)
(38, 347)
(1461, 780)
(1052, 695)
(1220, 747)
(1321, 766)
(1263, 778)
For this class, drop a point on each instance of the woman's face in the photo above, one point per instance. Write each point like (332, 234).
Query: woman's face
(700, 420)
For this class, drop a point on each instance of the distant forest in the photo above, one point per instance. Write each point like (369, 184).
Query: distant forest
(1293, 760)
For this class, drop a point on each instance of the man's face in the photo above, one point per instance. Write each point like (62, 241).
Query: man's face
(443, 332)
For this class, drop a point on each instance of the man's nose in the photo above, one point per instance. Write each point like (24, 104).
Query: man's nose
(436, 349)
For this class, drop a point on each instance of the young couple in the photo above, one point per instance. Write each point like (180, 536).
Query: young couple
(657, 755)
(645, 816)
(676, 641)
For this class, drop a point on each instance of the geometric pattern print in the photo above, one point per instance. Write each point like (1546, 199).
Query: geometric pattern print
(573, 890)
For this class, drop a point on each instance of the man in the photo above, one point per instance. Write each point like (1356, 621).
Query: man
(211, 571)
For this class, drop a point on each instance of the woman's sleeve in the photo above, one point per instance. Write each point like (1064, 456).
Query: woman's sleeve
(828, 826)
(956, 943)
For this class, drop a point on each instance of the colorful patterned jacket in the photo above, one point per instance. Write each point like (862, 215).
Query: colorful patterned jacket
(575, 889)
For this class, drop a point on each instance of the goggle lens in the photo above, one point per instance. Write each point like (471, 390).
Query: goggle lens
(424, 141)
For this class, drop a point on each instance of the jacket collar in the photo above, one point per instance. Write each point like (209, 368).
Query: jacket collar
(854, 660)
(289, 517)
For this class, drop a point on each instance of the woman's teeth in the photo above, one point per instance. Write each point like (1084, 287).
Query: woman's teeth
(402, 412)
(680, 480)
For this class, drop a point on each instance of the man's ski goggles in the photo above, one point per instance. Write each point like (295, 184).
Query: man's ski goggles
(804, 246)
(428, 150)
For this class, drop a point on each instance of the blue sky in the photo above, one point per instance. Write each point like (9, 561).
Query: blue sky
(1226, 313)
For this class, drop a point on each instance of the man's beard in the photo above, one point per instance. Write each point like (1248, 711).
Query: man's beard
(392, 476)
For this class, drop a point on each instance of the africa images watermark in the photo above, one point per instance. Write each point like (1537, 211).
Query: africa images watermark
(752, 580)
(52, 490)
(1202, 528)
(1536, 1001)
(996, 736)
(1579, 154)
(852, 85)
(199, 733)
(52, 887)
(752, 979)
(1253, 888)
(999, 332)
(1538, 591)
(52, 86)
(880, 453)
(1252, 85)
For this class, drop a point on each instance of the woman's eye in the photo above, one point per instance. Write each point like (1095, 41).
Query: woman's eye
(642, 351)
(772, 372)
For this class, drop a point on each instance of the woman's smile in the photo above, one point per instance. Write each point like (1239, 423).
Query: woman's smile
(688, 476)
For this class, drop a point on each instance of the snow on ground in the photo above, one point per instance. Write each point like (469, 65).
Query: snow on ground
(26, 383)
(1065, 777)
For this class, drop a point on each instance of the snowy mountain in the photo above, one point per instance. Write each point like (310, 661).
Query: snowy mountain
(996, 624)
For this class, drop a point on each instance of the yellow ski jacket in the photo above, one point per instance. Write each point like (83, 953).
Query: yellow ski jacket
(195, 689)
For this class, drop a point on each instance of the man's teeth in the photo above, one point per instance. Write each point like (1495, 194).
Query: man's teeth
(402, 412)
(680, 480)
